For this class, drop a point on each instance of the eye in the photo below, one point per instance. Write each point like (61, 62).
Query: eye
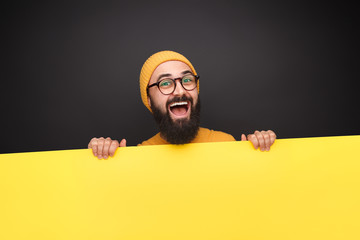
(165, 83)
(188, 79)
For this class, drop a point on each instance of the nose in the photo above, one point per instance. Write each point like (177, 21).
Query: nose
(179, 90)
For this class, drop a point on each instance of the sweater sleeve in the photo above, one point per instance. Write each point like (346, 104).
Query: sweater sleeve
(218, 136)
(155, 140)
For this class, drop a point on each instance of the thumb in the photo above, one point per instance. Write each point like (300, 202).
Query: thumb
(243, 137)
(123, 143)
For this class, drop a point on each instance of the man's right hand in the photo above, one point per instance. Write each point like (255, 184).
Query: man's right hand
(103, 148)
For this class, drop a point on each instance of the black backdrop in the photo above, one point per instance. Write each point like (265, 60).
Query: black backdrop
(70, 70)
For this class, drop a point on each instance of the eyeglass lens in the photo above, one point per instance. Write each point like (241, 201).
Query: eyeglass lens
(168, 85)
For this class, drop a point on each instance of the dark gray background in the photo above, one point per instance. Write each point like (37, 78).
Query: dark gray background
(70, 71)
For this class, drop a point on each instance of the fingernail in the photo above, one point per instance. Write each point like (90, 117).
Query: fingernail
(105, 157)
(100, 157)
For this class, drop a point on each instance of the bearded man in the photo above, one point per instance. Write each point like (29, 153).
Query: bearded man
(169, 87)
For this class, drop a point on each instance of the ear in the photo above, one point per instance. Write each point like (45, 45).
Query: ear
(149, 101)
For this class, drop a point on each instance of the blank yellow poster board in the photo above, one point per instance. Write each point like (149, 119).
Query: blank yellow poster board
(301, 189)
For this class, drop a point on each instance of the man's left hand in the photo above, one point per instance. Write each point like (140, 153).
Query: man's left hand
(262, 140)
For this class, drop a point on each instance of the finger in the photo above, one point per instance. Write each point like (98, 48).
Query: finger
(243, 137)
(123, 143)
(252, 138)
(100, 147)
(266, 137)
(107, 143)
(261, 140)
(93, 144)
(113, 146)
(272, 136)
(90, 143)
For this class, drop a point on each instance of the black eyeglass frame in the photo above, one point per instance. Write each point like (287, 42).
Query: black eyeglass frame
(174, 81)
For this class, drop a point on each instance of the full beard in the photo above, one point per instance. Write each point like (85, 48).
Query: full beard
(179, 131)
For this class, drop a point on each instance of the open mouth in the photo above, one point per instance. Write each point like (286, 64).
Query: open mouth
(179, 109)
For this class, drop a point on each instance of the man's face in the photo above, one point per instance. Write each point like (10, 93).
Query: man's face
(172, 69)
(178, 113)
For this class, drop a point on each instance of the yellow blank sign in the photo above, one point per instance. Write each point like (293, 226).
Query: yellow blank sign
(301, 189)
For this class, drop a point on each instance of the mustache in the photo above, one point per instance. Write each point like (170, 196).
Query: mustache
(179, 99)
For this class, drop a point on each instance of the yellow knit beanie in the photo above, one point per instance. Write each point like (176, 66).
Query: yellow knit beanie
(152, 63)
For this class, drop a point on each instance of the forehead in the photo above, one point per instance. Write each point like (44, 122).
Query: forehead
(174, 68)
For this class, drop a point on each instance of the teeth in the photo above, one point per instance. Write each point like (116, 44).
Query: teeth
(178, 103)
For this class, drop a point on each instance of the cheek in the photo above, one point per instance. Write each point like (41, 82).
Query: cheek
(159, 101)
(195, 96)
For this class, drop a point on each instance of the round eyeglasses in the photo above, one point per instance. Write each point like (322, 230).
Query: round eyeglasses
(167, 85)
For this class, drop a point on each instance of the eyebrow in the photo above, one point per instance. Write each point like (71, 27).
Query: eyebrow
(164, 75)
(169, 75)
(185, 72)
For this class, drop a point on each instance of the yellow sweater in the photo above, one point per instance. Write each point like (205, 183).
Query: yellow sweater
(204, 135)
